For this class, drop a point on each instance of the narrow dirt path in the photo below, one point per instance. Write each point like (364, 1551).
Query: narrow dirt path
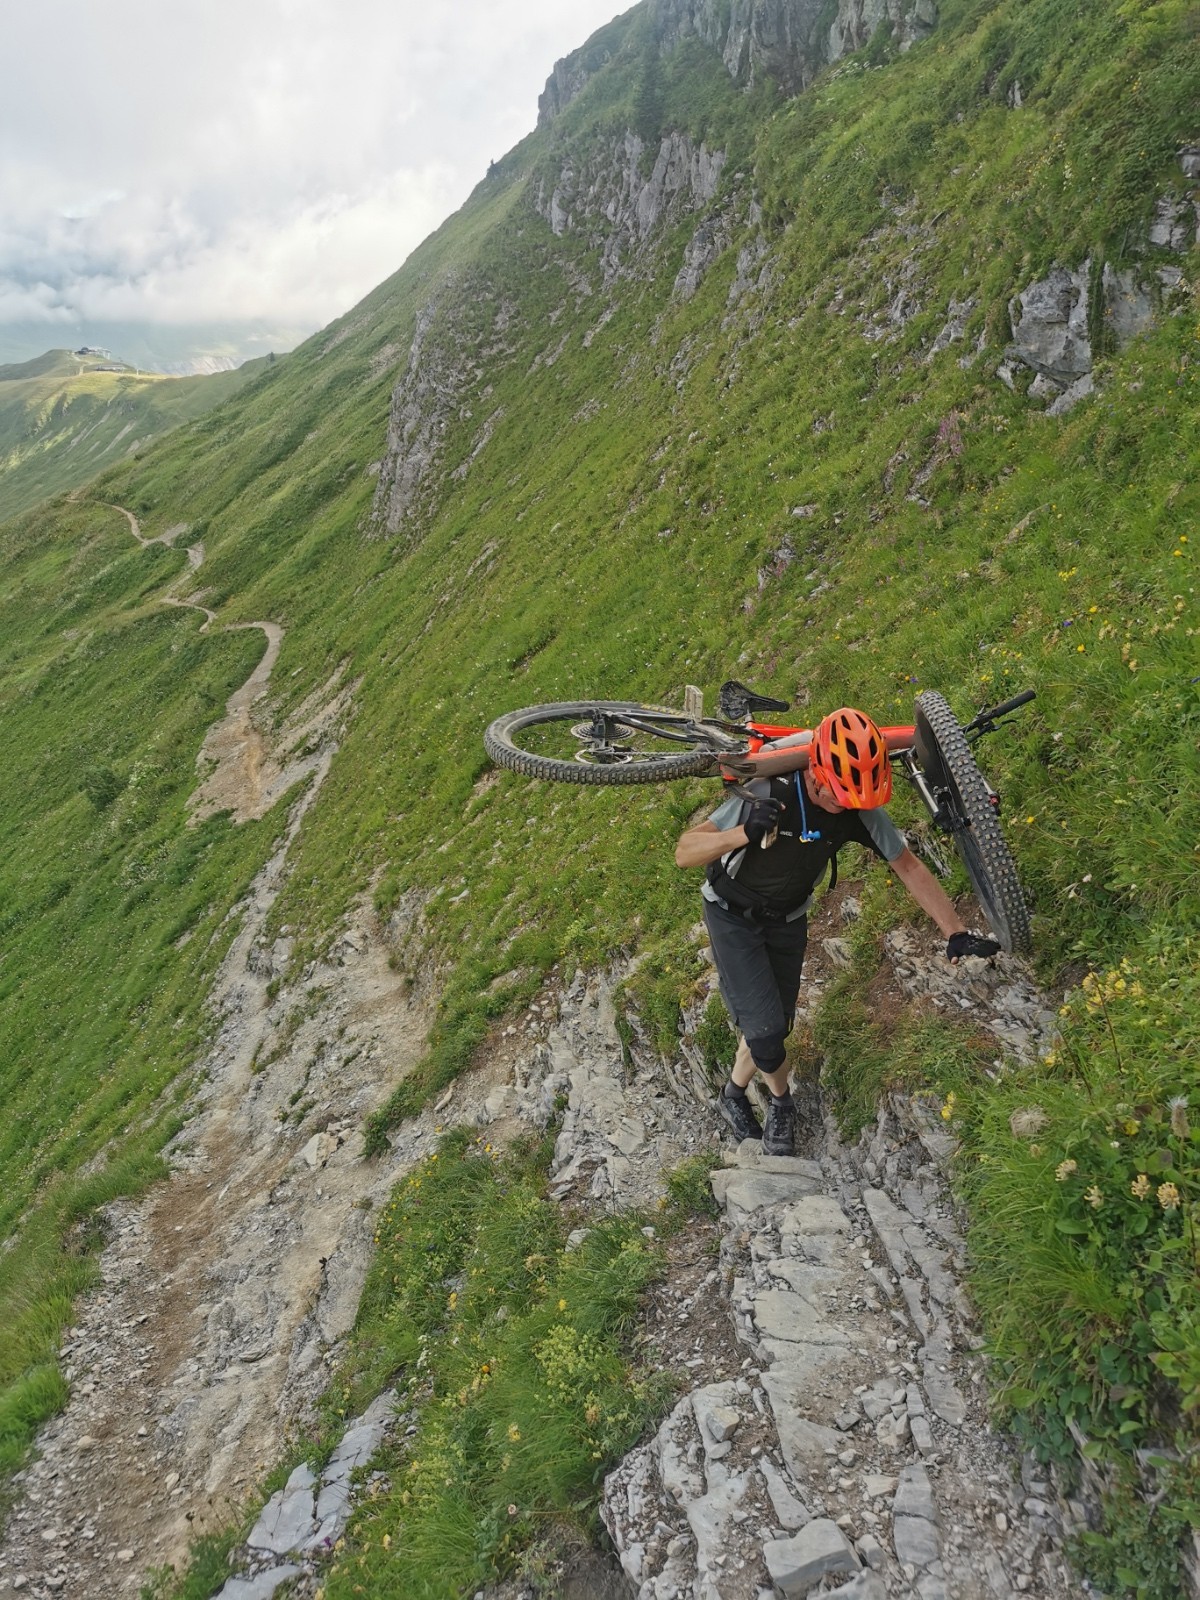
(237, 747)
(223, 1289)
(242, 770)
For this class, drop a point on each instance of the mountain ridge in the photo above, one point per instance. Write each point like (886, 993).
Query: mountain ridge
(64, 414)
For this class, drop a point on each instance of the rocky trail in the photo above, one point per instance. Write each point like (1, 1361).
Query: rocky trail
(834, 1432)
(835, 1428)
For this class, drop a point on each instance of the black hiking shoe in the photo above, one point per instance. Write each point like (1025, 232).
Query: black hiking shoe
(739, 1114)
(780, 1136)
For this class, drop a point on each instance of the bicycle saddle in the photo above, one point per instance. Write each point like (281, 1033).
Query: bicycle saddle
(736, 702)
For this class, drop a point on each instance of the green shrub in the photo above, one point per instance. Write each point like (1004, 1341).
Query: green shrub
(102, 786)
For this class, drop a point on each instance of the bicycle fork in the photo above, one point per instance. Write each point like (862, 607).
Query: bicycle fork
(945, 816)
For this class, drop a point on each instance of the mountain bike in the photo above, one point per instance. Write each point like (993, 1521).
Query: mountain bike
(616, 742)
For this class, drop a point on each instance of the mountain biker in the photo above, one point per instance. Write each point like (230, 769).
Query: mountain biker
(764, 857)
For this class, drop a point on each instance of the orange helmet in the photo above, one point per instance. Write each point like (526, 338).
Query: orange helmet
(850, 757)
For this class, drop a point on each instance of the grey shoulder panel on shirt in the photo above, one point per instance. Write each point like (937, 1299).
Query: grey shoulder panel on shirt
(889, 841)
(728, 814)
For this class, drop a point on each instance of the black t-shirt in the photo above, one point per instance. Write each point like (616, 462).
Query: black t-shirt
(780, 880)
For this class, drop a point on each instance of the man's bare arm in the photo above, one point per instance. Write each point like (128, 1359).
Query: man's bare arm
(927, 892)
(704, 843)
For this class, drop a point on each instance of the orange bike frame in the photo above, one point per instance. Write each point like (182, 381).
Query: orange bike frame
(762, 733)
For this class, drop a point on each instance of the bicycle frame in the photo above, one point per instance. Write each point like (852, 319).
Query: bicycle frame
(616, 742)
(901, 747)
(896, 738)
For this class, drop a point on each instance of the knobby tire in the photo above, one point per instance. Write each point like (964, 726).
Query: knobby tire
(949, 764)
(500, 741)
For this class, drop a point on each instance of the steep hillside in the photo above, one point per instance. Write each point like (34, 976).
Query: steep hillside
(64, 418)
(850, 348)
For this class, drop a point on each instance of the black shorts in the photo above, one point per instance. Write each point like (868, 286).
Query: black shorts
(759, 966)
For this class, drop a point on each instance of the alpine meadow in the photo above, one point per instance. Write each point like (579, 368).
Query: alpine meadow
(848, 348)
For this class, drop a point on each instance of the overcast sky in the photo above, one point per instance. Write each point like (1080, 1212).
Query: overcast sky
(183, 161)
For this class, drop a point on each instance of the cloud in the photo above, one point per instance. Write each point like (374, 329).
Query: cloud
(239, 159)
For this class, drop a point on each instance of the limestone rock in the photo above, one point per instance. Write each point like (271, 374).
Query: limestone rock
(779, 1314)
(916, 1541)
(865, 1586)
(914, 1495)
(1070, 398)
(608, 199)
(788, 40)
(287, 1520)
(804, 1443)
(790, 1512)
(954, 329)
(798, 1564)
(744, 1193)
(1174, 225)
(261, 1587)
(1050, 325)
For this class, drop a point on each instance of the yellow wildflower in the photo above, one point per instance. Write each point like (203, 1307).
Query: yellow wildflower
(1168, 1197)
(1064, 1169)
(1141, 1186)
(1094, 1198)
(514, 1433)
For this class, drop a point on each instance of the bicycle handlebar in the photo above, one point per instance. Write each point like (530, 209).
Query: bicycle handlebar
(990, 713)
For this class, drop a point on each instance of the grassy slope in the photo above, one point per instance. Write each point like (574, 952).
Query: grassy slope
(63, 419)
(622, 516)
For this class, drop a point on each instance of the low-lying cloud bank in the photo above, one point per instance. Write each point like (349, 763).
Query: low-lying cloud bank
(264, 164)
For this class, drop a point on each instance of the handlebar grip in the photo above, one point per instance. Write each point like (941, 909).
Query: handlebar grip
(1005, 706)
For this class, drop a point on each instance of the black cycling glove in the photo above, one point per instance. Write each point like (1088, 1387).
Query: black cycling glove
(969, 944)
(763, 820)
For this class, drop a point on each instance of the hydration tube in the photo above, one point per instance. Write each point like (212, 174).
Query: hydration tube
(807, 836)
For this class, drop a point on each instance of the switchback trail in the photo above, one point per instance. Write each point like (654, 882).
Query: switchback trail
(243, 767)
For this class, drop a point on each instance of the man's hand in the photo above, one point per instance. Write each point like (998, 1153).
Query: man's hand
(969, 944)
(762, 821)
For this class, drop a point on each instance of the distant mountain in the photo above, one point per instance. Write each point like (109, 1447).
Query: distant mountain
(181, 351)
(66, 415)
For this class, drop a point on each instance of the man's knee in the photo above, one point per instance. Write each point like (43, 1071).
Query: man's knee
(768, 1051)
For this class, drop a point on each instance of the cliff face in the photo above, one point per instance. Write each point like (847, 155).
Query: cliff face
(788, 40)
(608, 197)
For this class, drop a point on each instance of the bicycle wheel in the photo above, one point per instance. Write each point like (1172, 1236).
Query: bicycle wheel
(605, 742)
(950, 767)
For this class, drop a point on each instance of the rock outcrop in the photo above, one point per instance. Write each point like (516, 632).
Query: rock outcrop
(441, 385)
(619, 209)
(788, 40)
(1057, 321)
(837, 1423)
